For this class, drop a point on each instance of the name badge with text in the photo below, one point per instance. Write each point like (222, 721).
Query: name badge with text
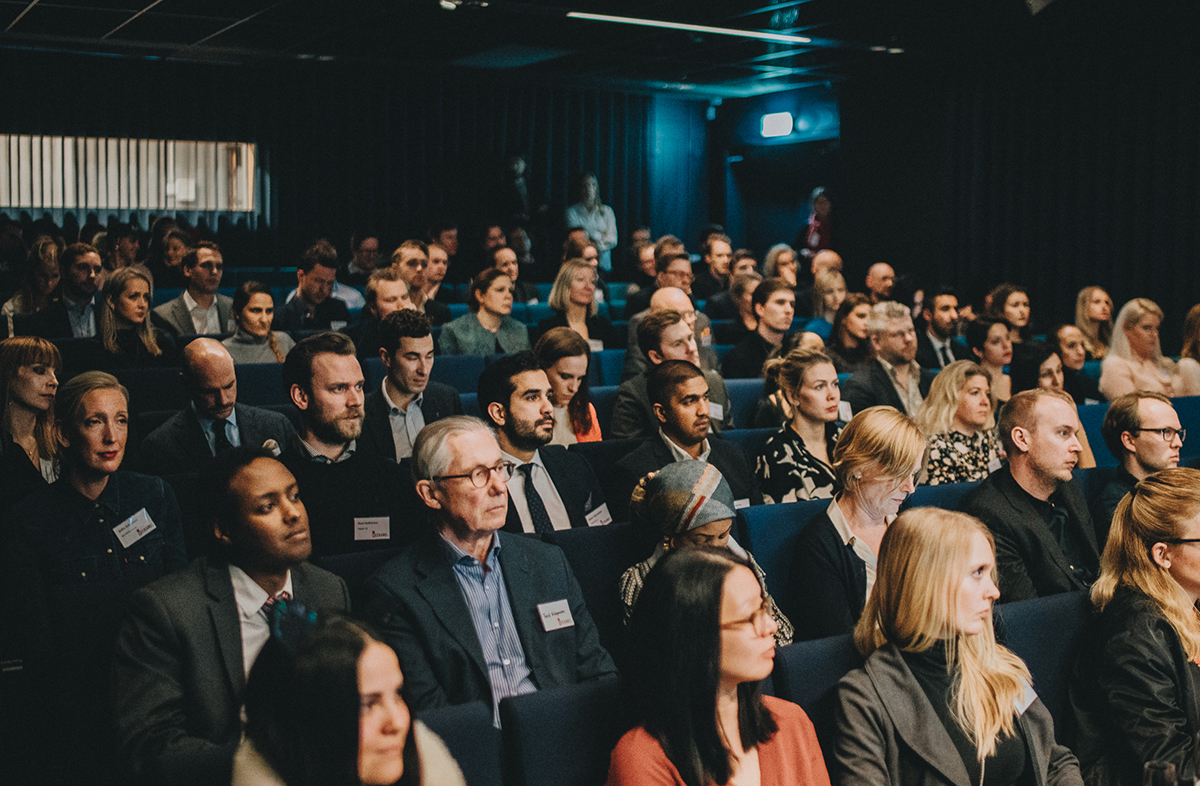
(599, 517)
(556, 614)
(716, 411)
(377, 528)
(134, 528)
(738, 504)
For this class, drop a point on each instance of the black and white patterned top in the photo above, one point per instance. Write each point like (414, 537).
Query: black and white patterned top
(788, 472)
(954, 457)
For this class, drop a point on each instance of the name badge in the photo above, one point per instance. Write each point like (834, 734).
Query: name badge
(738, 504)
(845, 411)
(134, 528)
(706, 339)
(337, 325)
(994, 465)
(555, 615)
(595, 344)
(377, 528)
(715, 411)
(1021, 703)
(599, 517)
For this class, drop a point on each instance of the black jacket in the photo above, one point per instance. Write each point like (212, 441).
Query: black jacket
(439, 401)
(872, 387)
(575, 482)
(829, 582)
(929, 359)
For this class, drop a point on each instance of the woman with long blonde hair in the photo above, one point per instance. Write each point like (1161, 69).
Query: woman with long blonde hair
(938, 700)
(1135, 690)
(959, 419)
(1135, 360)
(1093, 317)
(126, 337)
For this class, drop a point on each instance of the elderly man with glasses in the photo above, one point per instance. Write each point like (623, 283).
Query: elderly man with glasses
(474, 613)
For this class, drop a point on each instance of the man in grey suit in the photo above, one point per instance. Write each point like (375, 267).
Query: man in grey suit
(214, 422)
(189, 639)
(200, 310)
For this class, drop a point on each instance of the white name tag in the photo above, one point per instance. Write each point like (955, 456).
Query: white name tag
(738, 504)
(706, 339)
(337, 325)
(134, 528)
(845, 411)
(716, 411)
(1022, 702)
(994, 465)
(378, 528)
(555, 615)
(599, 517)
(595, 344)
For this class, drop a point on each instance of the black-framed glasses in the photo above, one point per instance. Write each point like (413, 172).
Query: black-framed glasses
(1180, 541)
(759, 620)
(481, 475)
(1167, 433)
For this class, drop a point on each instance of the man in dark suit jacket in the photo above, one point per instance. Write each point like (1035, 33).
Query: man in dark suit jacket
(189, 639)
(314, 307)
(203, 267)
(550, 489)
(74, 314)
(679, 393)
(1045, 542)
(891, 333)
(407, 399)
(385, 292)
(429, 602)
(411, 260)
(936, 347)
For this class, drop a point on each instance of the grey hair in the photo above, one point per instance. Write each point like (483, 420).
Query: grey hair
(431, 452)
(882, 313)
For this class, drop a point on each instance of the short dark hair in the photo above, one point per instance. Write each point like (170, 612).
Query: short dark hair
(1025, 370)
(662, 263)
(321, 253)
(667, 246)
(192, 257)
(765, 289)
(931, 296)
(297, 366)
(220, 505)
(716, 237)
(74, 252)
(977, 331)
(405, 323)
(1124, 414)
(496, 382)
(663, 379)
(482, 283)
(650, 329)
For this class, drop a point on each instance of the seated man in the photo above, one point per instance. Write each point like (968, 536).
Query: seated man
(386, 292)
(74, 314)
(474, 613)
(672, 268)
(670, 299)
(936, 347)
(551, 488)
(314, 307)
(679, 393)
(664, 335)
(200, 310)
(411, 259)
(774, 305)
(893, 378)
(880, 281)
(356, 501)
(714, 277)
(364, 256)
(504, 259)
(407, 400)
(1045, 543)
(189, 639)
(435, 274)
(1142, 431)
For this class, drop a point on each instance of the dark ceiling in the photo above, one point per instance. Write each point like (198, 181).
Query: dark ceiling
(534, 41)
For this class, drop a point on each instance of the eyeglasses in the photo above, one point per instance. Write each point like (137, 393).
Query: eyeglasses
(1180, 541)
(1168, 434)
(481, 475)
(759, 620)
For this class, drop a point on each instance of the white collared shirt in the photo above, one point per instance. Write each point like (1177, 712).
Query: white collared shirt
(938, 346)
(207, 321)
(679, 453)
(252, 619)
(406, 424)
(543, 485)
(850, 539)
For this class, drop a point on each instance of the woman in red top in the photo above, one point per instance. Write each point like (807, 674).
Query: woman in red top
(702, 639)
(564, 355)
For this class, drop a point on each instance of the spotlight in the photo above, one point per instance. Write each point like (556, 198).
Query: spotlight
(776, 124)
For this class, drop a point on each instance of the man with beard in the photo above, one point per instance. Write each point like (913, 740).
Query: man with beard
(356, 501)
(550, 488)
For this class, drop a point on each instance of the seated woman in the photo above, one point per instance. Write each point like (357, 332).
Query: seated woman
(1134, 691)
(701, 642)
(1069, 341)
(323, 707)
(564, 356)
(848, 343)
(960, 423)
(990, 341)
(1135, 360)
(829, 290)
(1093, 317)
(29, 369)
(125, 338)
(875, 464)
(254, 341)
(39, 283)
(1039, 366)
(689, 503)
(1010, 304)
(1189, 362)
(780, 262)
(741, 301)
(938, 700)
(488, 329)
(794, 463)
(574, 303)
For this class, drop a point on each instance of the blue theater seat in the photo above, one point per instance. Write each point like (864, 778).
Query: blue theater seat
(807, 673)
(470, 404)
(460, 372)
(945, 496)
(458, 309)
(152, 388)
(608, 362)
(260, 384)
(474, 742)
(1092, 480)
(1188, 408)
(743, 397)
(536, 312)
(604, 399)
(750, 440)
(769, 533)
(1091, 417)
(620, 334)
(355, 569)
(603, 454)
(373, 373)
(821, 327)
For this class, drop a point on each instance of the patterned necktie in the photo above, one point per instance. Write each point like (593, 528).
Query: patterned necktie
(269, 606)
(537, 508)
(220, 441)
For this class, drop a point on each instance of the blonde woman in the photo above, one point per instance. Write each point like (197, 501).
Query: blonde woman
(829, 290)
(1135, 360)
(1093, 317)
(1135, 687)
(1189, 361)
(959, 419)
(938, 700)
(574, 303)
(126, 337)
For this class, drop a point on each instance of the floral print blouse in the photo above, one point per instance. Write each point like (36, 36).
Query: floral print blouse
(954, 457)
(788, 472)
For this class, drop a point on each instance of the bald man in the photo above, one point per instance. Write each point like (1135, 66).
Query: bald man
(881, 280)
(672, 299)
(213, 422)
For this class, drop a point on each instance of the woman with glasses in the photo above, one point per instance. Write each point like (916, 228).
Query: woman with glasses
(1134, 691)
(702, 639)
(573, 299)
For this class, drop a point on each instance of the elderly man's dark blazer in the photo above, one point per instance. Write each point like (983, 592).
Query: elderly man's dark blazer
(1030, 561)
(873, 387)
(179, 445)
(575, 483)
(439, 401)
(177, 671)
(420, 611)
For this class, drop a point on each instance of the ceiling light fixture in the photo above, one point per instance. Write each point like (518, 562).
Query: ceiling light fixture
(628, 20)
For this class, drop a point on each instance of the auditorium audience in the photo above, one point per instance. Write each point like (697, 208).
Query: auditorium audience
(1046, 543)
(958, 420)
(386, 291)
(435, 274)
(504, 259)
(489, 328)
(411, 260)
(880, 281)
(364, 256)
(990, 342)
(936, 347)
(39, 284)
(73, 315)
(189, 640)
(849, 343)
(123, 244)
(1135, 360)
(1134, 690)
(1010, 304)
(737, 305)
(574, 304)
(29, 371)
(670, 299)
(817, 234)
(714, 275)
(253, 341)
(314, 307)
(467, 590)
(167, 266)
(124, 336)
(550, 488)
(564, 355)
(893, 378)
(594, 217)
(323, 707)
(875, 464)
(673, 268)
(795, 463)
(774, 303)
(1084, 388)
(1039, 366)
(642, 273)
(938, 699)
(807, 304)
(407, 399)
(200, 309)
(780, 262)
(1093, 317)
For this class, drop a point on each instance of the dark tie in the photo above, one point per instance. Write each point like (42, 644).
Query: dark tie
(947, 359)
(537, 509)
(220, 441)
(269, 605)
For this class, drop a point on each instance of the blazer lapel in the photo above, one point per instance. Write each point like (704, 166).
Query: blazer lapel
(440, 590)
(223, 611)
(884, 384)
(1049, 546)
(519, 579)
